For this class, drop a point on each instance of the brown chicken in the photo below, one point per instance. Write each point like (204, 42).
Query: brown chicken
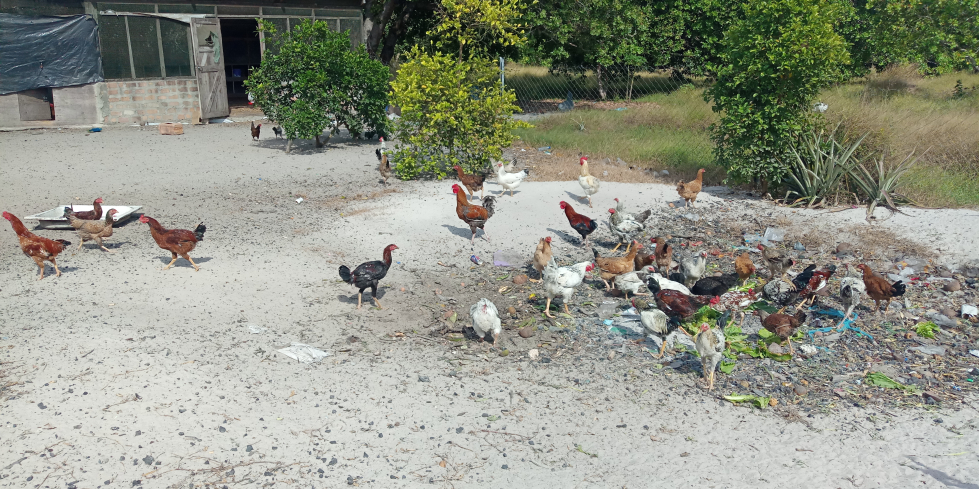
(664, 255)
(92, 215)
(93, 230)
(542, 255)
(473, 215)
(471, 182)
(176, 241)
(690, 190)
(38, 248)
(879, 289)
(783, 325)
(744, 266)
(645, 258)
(256, 131)
(384, 165)
(778, 262)
(611, 267)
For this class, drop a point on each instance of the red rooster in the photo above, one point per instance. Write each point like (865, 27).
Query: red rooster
(583, 224)
(176, 241)
(818, 281)
(473, 215)
(92, 215)
(38, 248)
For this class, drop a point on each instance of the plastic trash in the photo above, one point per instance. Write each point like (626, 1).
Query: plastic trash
(968, 310)
(799, 247)
(606, 310)
(475, 259)
(620, 109)
(752, 239)
(95, 129)
(543, 148)
(929, 349)
(774, 234)
(299, 200)
(974, 353)
(508, 258)
(691, 216)
(943, 320)
(304, 353)
(253, 329)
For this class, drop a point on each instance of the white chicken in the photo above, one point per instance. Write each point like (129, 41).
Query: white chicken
(510, 181)
(693, 268)
(667, 284)
(628, 282)
(641, 217)
(486, 319)
(561, 281)
(624, 229)
(851, 290)
(710, 346)
(588, 183)
(655, 322)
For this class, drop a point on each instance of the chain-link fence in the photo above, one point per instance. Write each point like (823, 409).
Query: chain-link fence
(660, 120)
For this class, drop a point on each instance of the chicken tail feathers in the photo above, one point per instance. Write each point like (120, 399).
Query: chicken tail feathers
(595, 252)
(898, 288)
(345, 274)
(199, 231)
(63, 242)
(378, 153)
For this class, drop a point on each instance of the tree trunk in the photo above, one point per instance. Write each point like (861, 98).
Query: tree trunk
(396, 31)
(377, 28)
(628, 94)
(288, 145)
(601, 85)
(318, 143)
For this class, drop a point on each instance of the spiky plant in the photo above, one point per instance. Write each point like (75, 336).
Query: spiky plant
(817, 167)
(878, 187)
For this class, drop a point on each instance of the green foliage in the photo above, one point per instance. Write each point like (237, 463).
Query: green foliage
(775, 61)
(941, 35)
(452, 113)
(878, 187)
(818, 166)
(759, 402)
(478, 26)
(881, 380)
(926, 329)
(311, 76)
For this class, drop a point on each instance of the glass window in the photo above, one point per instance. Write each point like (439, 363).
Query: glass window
(186, 9)
(280, 27)
(237, 10)
(322, 12)
(126, 7)
(352, 25)
(293, 22)
(115, 47)
(302, 12)
(176, 49)
(146, 47)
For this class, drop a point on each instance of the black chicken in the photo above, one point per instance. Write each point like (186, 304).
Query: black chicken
(715, 286)
(677, 277)
(802, 279)
(368, 274)
(277, 130)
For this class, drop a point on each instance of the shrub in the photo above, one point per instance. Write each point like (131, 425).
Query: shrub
(452, 113)
(775, 60)
(312, 78)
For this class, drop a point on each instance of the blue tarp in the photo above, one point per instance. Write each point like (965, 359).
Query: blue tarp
(38, 52)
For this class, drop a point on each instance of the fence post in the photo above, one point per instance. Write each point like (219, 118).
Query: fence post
(502, 77)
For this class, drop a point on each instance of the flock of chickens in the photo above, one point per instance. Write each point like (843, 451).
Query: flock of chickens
(679, 289)
(90, 226)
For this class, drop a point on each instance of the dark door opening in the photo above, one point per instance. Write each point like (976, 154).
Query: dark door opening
(242, 53)
(36, 105)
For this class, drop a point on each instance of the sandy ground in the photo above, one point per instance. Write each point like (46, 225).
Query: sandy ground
(118, 374)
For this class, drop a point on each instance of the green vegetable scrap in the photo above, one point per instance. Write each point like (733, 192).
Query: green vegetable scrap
(926, 329)
(758, 401)
(881, 380)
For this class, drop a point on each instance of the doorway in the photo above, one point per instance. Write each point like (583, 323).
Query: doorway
(243, 53)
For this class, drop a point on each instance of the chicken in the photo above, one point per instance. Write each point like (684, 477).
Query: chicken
(693, 267)
(656, 322)
(675, 303)
(471, 182)
(588, 183)
(384, 165)
(561, 281)
(646, 258)
(744, 266)
(628, 282)
(710, 346)
(801, 280)
(783, 325)
(256, 131)
(641, 217)
(176, 241)
(851, 290)
(473, 215)
(93, 230)
(582, 224)
(817, 282)
(689, 190)
(664, 283)
(510, 181)
(486, 320)
(664, 254)
(542, 255)
(624, 229)
(778, 262)
(38, 248)
(735, 300)
(568, 103)
(278, 131)
(879, 289)
(612, 266)
(368, 274)
(715, 285)
(780, 292)
(92, 215)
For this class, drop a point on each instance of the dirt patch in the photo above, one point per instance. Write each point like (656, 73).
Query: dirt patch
(560, 166)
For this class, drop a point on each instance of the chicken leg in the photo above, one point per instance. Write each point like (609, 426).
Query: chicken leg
(191, 260)
(617, 247)
(360, 296)
(547, 308)
(99, 241)
(566, 310)
(174, 260)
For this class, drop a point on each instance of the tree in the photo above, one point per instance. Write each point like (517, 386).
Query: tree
(314, 78)
(775, 60)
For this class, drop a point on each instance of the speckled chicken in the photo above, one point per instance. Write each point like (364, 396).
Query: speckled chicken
(780, 292)
(93, 230)
(656, 322)
(852, 290)
(710, 346)
(777, 261)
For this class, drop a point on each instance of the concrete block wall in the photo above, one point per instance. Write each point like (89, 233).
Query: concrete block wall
(74, 106)
(169, 100)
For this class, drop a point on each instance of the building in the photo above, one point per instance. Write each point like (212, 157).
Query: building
(159, 61)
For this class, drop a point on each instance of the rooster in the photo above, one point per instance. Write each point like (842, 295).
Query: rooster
(368, 274)
(588, 183)
(710, 346)
(510, 181)
(486, 320)
(777, 261)
(92, 215)
(473, 215)
(38, 248)
(582, 224)
(471, 182)
(176, 241)
(93, 230)
(542, 255)
(256, 131)
(664, 254)
(817, 282)
(675, 303)
(384, 166)
(623, 228)
(690, 190)
(879, 289)
(780, 292)
(562, 281)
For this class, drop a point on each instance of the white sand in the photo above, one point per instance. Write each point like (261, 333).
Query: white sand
(113, 327)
